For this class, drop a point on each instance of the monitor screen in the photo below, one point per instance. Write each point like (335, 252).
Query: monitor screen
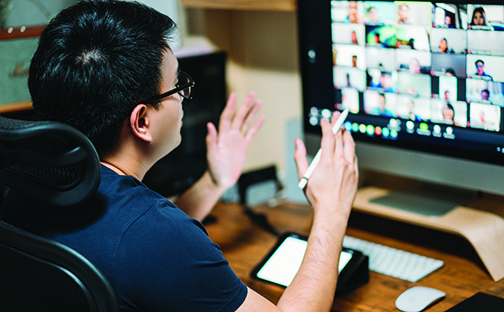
(419, 77)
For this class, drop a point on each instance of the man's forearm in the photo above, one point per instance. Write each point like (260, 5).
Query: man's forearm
(314, 286)
(199, 200)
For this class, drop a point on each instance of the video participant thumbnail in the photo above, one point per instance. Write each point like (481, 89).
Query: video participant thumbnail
(412, 108)
(381, 36)
(352, 34)
(450, 113)
(485, 42)
(413, 37)
(382, 81)
(383, 59)
(347, 12)
(486, 92)
(413, 62)
(413, 13)
(485, 67)
(447, 15)
(349, 77)
(349, 99)
(485, 17)
(485, 116)
(416, 85)
(379, 13)
(380, 104)
(448, 88)
(448, 41)
(349, 56)
(449, 65)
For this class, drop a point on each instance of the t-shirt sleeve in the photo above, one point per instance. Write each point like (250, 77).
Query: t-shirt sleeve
(167, 262)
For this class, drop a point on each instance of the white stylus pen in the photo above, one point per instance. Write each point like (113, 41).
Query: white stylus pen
(316, 159)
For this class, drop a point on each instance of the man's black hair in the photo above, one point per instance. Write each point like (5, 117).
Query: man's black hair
(450, 70)
(475, 63)
(97, 60)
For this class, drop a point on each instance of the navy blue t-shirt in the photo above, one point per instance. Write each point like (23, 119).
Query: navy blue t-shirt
(155, 256)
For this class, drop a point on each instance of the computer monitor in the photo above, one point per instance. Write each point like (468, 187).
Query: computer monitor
(424, 82)
(176, 172)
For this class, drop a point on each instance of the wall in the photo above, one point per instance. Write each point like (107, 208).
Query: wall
(263, 57)
(170, 8)
(16, 13)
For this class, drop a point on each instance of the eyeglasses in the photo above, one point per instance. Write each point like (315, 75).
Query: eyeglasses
(183, 87)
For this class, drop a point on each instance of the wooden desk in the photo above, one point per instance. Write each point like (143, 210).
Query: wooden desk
(244, 244)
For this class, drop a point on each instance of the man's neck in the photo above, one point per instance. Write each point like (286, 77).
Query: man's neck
(128, 167)
(113, 168)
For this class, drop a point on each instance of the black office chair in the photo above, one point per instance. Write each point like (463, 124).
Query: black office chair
(56, 164)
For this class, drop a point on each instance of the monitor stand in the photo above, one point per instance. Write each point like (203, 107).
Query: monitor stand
(480, 220)
(427, 200)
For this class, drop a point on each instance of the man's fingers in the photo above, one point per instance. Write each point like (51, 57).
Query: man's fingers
(250, 115)
(211, 138)
(327, 144)
(300, 158)
(348, 146)
(227, 114)
(255, 128)
(242, 112)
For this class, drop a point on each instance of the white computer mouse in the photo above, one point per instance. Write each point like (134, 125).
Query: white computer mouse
(418, 298)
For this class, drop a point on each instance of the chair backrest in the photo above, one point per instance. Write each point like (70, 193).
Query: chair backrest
(55, 163)
(37, 274)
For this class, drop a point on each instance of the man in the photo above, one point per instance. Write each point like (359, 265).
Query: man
(373, 17)
(485, 95)
(353, 38)
(386, 82)
(448, 22)
(447, 95)
(402, 14)
(106, 68)
(381, 109)
(378, 41)
(411, 111)
(480, 70)
(353, 13)
(414, 66)
(354, 60)
(450, 72)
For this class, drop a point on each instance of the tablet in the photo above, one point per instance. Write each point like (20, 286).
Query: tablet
(284, 260)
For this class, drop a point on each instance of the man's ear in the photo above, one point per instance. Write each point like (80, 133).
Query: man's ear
(139, 123)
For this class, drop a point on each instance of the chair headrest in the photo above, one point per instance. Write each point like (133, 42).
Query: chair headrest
(50, 160)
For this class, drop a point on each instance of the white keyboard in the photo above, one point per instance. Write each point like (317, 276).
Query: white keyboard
(394, 262)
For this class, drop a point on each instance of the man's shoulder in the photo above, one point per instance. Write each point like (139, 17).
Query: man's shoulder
(127, 190)
(135, 208)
